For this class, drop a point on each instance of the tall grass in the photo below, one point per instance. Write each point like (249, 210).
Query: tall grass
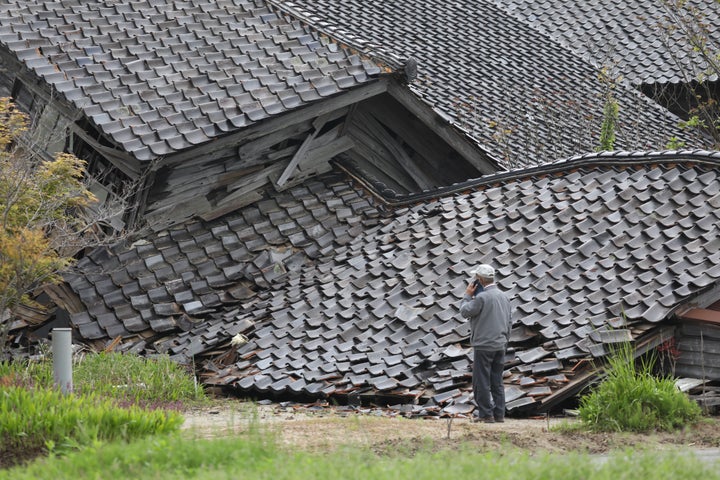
(137, 379)
(46, 418)
(631, 398)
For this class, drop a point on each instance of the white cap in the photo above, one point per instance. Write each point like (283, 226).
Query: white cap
(485, 271)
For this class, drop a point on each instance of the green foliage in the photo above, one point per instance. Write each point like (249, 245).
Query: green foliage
(674, 143)
(44, 417)
(38, 200)
(116, 396)
(173, 457)
(136, 379)
(610, 110)
(631, 398)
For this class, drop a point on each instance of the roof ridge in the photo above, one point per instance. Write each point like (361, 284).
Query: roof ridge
(596, 159)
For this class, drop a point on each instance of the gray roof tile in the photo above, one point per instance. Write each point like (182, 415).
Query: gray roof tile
(368, 315)
(160, 60)
(488, 53)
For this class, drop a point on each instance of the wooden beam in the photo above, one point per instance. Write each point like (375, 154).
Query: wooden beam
(250, 151)
(249, 182)
(377, 130)
(318, 161)
(124, 162)
(480, 159)
(407, 126)
(279, 122)
(701, 315)
(302, 152)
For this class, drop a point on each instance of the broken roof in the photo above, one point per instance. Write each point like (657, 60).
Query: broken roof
(160, 76)
(327, 291)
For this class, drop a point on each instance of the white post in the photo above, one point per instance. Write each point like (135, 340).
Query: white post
(62, 358)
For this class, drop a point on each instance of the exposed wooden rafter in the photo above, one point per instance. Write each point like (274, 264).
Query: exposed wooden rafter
(210, 150)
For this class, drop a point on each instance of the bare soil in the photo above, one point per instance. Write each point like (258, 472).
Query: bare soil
(324, 429)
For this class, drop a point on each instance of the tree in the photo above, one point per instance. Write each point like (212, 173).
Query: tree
(691, 38)
(43, 219)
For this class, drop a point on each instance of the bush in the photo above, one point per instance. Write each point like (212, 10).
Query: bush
(631, 398)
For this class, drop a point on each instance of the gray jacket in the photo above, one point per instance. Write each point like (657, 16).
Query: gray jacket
(490, 322)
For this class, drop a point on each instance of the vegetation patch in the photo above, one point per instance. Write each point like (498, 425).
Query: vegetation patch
(632, 398)
(117, 397)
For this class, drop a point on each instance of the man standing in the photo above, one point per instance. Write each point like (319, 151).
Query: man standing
(490, 324)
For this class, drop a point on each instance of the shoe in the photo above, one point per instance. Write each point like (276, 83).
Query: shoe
(484, 419)
(499, 419)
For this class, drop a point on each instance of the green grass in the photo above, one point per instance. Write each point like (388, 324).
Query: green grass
(123, 377)
(259, 457)
(41, 417)
(631, 398)
(115, 397)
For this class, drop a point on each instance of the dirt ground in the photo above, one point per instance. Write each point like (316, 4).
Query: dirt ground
(324, 429)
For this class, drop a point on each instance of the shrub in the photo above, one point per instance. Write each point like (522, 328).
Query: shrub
(631, 398)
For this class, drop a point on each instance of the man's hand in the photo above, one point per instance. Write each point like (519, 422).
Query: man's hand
(470, 290)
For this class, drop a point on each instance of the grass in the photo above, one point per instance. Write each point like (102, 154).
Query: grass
(127, 379)
(116, 397)
(93, 433)
(631, 398)
(258, 456)
(32, 419)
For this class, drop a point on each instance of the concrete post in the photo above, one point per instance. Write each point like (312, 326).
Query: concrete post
(62, 358)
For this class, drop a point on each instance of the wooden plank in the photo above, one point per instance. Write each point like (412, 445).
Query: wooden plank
(279, 122)
(250, 197)
(472, 153)
(577, 383)
(121, 160)
(410, 128)
(298, 157)
(701, 314)
(250, 151)
(251, 182)
(317, 161)
(172, 214)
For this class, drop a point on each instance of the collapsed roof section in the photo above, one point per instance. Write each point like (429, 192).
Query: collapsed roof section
(200, 105)
(160, 76)
(325, 291)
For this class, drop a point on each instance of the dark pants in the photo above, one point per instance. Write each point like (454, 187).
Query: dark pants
(488, 387)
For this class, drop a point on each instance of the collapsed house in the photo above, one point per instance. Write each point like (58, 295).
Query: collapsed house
(315, 192)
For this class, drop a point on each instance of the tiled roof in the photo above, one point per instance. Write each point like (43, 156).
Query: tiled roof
(521, 95)
(339, 295)
(643, 38)
(159, 76)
